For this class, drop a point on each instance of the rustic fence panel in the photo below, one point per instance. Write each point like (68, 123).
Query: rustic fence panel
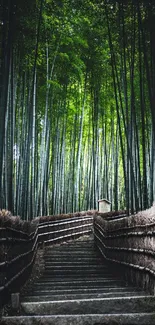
(18, 249)
(130, 247)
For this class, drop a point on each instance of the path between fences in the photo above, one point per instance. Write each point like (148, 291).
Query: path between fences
(78, 286)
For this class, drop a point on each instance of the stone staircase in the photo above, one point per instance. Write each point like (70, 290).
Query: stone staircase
(77, 287)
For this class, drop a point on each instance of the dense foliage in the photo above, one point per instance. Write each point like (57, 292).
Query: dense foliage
(77, 87)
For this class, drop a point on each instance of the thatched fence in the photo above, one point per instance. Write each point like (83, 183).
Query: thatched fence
(129, 242)
(18, 248)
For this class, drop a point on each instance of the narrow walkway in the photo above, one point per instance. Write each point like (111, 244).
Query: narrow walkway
(78, 288)
(76, 270)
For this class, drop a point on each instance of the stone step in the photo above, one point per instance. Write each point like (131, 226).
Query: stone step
(106, 284)
(75, 261)
(77, 268)
(69, 281)
(77, 281)
(84, 278)
(75, 264)
(48, 275)
(74, 276)
(71, 247)
(73, 282)
(74, 296)
(68, 273)
(116, 305)
(81, 286)
(80, 254)
(73, 244)
(70, 268)
(70, 258)
(84, 290)
(66, 249)
(89, 319)
(92, 250)
(75, 241)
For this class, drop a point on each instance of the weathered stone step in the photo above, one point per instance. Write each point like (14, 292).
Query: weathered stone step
(74, 296)
(71, 247)
(99, 305)
(98, 319)
(81, 286)
(74, 276)
(83, 290)
(74, 258)
(51, 281)
(75, 262)
(47, 275)
(79, 282)
(91, 288)
(71, 253)
(73, 244)
(89, 239)
(75, 253)
(68, 273)
(75, 267)
(68, 248)
(106, 287)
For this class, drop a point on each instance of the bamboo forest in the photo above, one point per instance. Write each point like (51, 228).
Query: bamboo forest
(77, 105)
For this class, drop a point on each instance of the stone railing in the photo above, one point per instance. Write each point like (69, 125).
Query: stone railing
(129, 242)
(18, 249)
